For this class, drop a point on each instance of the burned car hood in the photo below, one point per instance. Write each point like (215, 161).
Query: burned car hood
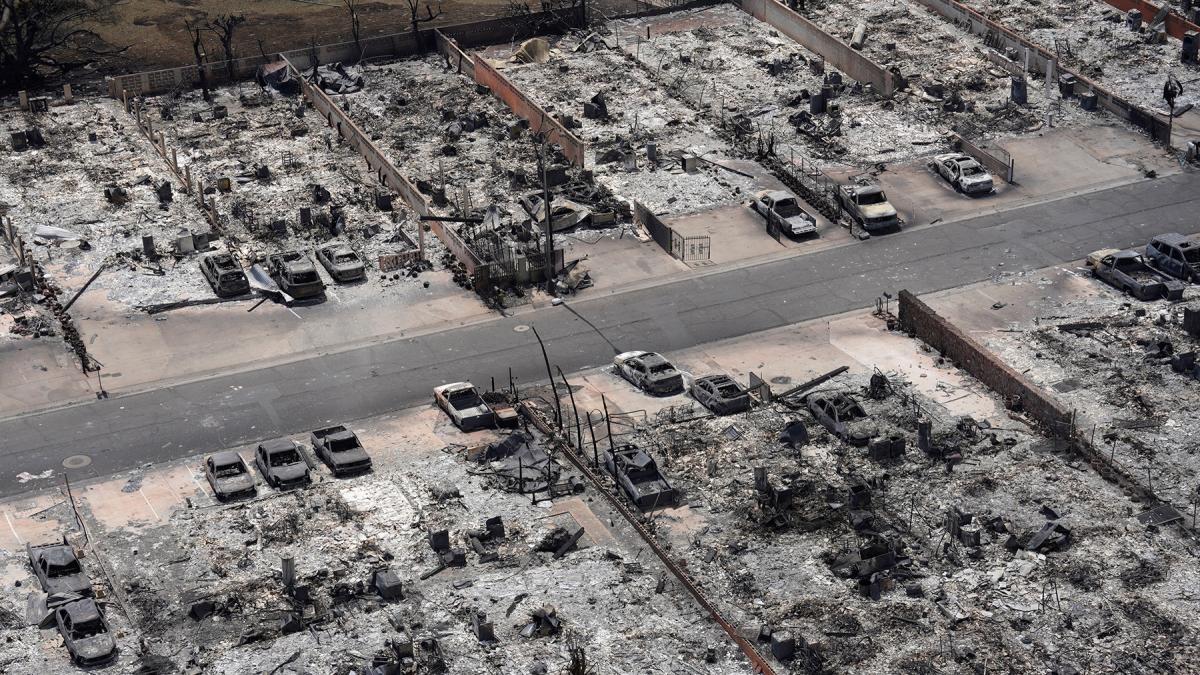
(884, 210)
(235, 483)
(353, 456)
(95, 646)
(290, 472)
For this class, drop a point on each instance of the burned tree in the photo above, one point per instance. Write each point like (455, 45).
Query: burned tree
(224, 26)
(414, 8)
(355, 25)
(196, 30)
(45, 39)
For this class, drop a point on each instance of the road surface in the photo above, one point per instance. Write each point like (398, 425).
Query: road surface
(124, 432)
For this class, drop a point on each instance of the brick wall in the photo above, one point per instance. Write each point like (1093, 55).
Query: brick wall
(835, 52)
(920, 320)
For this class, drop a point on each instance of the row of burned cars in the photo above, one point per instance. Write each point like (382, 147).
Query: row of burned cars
(1162, 270)
(291, 272)
(70, 601)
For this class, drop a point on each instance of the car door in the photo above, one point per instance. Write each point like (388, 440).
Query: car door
(260, 458)
(944, 168)
(1175, 264)
(210, 474)
(637, 373)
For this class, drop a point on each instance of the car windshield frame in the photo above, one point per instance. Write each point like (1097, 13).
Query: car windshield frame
(871, 198)
(229, 470)
(55, 571)
(283, 457)
(464, 399)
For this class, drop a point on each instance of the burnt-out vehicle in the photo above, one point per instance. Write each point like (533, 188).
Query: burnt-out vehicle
(783, 210)
(224, 274)
(1127, 271)
(465, 407)
(58, 569)
(342, 263)
(842, 416)
(228, 476)
(85, 632)
(341, 450)
(296, 275)
(281, 464)
(1175, 254)
(649, 372)
(720, 394)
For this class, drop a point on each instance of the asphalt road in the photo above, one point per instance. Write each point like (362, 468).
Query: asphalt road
(127, 431)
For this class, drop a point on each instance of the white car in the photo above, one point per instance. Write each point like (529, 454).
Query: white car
(963, 172)
(649, 372)
(782, 208)
(465, 406)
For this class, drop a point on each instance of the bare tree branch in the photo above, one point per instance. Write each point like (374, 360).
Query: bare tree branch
(45, 39)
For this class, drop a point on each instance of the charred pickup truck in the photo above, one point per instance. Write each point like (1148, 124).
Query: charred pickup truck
(868, 206)
(296, 275)
(341, 451)
(639, 478)
(1128, 272)
(782, 209)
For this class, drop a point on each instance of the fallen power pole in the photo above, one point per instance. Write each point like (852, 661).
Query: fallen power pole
(756, 660)
(805, 386)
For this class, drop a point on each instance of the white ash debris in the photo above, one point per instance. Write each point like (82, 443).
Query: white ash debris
(1110, 359)
(725, 65)
(1034, 609)
(1093, 38)
(639, 112)
(339, 531)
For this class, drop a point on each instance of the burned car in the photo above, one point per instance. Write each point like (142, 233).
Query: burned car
(281, 465)
(85, 632)
(1128, 272)
(1176, 255)
(720, 394)
(295, 274)
(58, 569)
(649, 372)
(868, 206)
(228, 476)
(637, 474)
(964, 173)
(842, 416)
(783, 210)
(465, 406)
(342, 262)
(341, 450)
(224, 274)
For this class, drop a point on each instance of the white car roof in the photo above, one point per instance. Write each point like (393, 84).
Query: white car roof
(453, 386)
(625, 356)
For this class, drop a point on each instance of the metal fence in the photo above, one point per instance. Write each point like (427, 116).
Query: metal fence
(806, 179)
(691, 249)
(688, 249)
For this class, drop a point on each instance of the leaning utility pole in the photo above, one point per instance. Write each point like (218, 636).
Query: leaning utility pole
(549, 264)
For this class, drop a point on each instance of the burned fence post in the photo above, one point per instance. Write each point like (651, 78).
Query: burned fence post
(578, 427)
